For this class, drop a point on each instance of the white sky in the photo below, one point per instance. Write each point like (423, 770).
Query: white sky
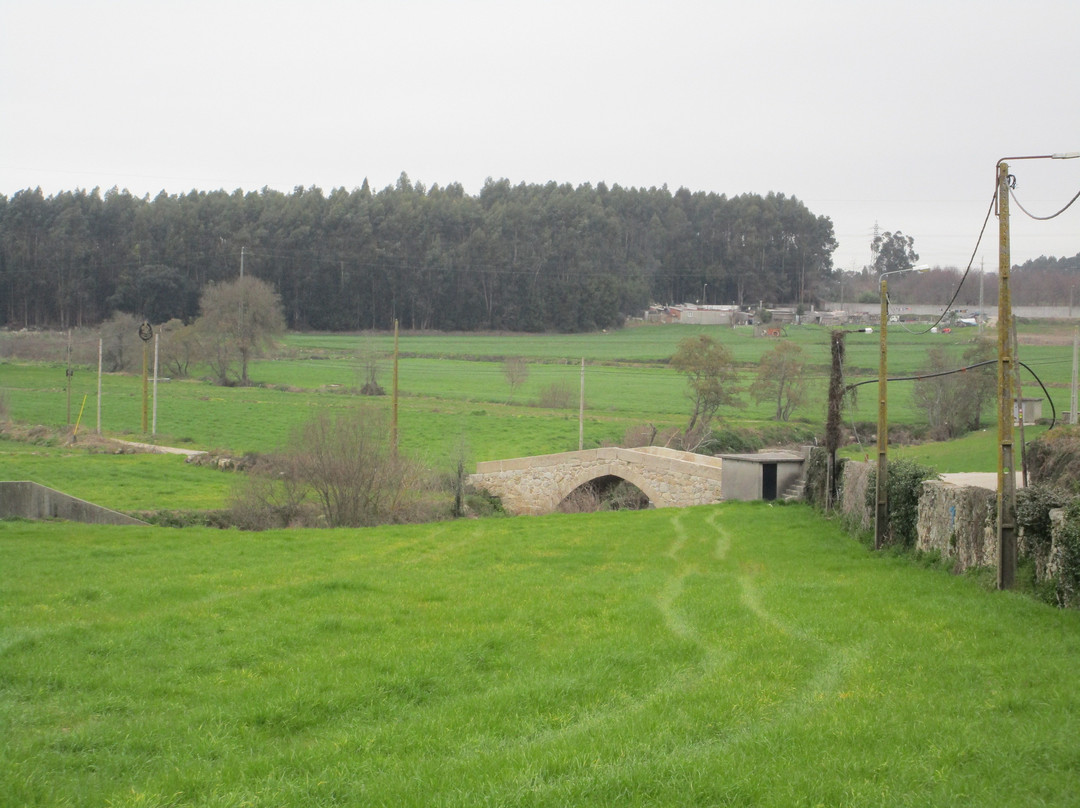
(887, 112)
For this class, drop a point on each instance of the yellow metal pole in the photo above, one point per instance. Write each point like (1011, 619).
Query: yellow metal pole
(1006, 482)
(78, 421)
(881, 511)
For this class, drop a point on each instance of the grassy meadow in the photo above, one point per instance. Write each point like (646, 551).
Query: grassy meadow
(455, 401)
(741, 654)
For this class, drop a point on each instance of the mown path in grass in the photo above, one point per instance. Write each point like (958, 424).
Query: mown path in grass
(741, 654)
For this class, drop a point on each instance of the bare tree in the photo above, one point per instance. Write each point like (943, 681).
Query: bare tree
(239, 319)
(516, 370)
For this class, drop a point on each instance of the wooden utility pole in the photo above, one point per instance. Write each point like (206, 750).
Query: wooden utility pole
(1076, 363)
(581, 410)
(153, 422)
(69, 373)
(100, 352)
(394, 402)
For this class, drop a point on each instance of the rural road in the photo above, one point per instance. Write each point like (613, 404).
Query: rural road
(154, 448)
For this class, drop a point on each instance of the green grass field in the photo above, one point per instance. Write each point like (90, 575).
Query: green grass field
(456, 401)
(742, 654)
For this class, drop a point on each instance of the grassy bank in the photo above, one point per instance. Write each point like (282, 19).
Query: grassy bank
(729, 655)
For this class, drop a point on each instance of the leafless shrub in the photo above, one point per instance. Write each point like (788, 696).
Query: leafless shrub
(267, 500)
(516, 371)
(369, 365)
(341, 468)
(558, 396)
(640, 435)
(605, 494)
(121, 346)
(585, 499)
(179, 347)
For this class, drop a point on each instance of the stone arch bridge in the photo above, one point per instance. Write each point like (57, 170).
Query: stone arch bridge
(535, 485)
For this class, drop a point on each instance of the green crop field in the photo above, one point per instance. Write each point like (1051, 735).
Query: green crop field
(741, 654)
(455, 401)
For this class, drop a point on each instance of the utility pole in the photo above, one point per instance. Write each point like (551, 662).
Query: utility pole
(1006, 483)
(69, 373)
(581, 410)
(153, 423)
(100, 352)
(145, 333)
(394, 402)
(1075, 385)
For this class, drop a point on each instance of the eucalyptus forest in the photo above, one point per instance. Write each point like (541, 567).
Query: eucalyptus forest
(523, 257)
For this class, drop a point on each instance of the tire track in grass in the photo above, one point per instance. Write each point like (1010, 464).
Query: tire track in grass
(817, 686)
(677, 620)
(826, 677)
(606, 718)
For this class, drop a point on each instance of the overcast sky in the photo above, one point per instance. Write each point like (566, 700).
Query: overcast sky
(893, 113)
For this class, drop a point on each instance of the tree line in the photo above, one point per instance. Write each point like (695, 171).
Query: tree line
(523, 257)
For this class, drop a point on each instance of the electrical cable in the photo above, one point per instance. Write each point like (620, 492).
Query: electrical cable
(1012, 193)
(960, 285)
(921, 377)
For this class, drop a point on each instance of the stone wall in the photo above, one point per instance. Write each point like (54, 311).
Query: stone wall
(960, 522)
(534, 485)
(854, 480)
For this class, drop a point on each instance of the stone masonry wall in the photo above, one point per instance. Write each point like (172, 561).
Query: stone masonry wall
(535, 485)
(854, 479)
(959, 522)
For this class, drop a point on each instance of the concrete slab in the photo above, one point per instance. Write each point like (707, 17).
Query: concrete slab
(979, 479)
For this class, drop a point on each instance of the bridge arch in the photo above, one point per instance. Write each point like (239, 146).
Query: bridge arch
(534, 485)
(624, 472)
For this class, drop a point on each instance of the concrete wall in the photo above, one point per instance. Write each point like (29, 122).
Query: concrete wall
(28, 500)
(920, 310)
(743, 479)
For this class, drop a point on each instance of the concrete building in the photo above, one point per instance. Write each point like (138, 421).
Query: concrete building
(766, 475)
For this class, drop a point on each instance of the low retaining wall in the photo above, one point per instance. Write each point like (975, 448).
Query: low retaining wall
(854, 480)
(28, 500)
(960, 522)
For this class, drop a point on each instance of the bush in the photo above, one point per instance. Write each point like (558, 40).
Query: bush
(558, 396)
(1067, 563)
(336, 472)
(1033, 506)
(1054, 458)
(904, 488)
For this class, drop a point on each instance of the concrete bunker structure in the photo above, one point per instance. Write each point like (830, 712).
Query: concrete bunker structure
(766, 475)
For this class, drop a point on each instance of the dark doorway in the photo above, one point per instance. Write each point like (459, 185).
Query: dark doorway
(768, 481)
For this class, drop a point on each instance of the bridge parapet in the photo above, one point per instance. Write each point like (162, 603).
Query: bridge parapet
(534, 485)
